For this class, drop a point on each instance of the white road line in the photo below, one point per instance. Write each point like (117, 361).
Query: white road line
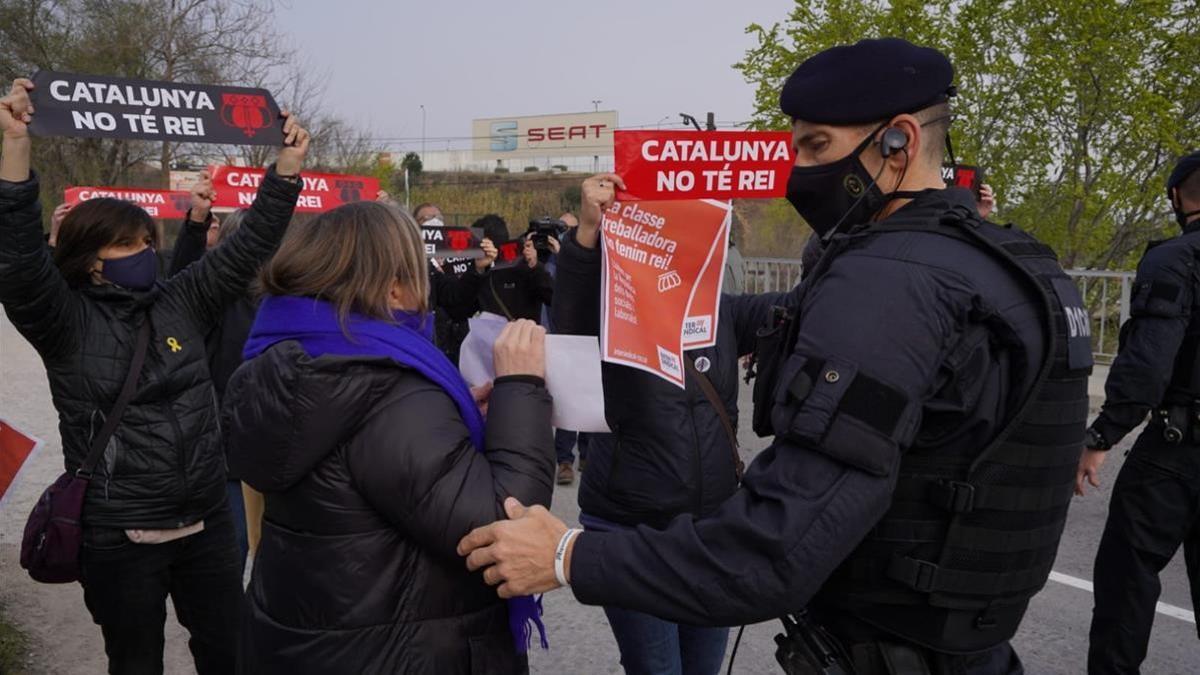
(1162, 608)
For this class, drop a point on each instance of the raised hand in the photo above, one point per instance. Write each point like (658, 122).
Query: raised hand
(202, 198)
(16, 112)
(599, 192)
(295, 147)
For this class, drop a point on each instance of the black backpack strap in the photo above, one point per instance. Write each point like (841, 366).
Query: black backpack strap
(710, 392)
(100, 440)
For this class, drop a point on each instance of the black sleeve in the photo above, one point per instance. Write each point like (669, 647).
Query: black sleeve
(542, 285)
(577, 289)
(35, 296)
(808, 500)
(414, 462)
(203, 290)
(1160, 310)
(189, 246)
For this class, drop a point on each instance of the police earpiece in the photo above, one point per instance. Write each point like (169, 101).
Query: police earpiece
(894, 140)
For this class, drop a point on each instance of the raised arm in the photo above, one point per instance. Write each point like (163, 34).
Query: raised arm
(193, 233)
(204, 289)
(33, 293)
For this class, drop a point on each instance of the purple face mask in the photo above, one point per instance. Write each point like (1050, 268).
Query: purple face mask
(136, 272)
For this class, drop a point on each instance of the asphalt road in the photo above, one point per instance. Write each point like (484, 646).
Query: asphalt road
(1052, 640)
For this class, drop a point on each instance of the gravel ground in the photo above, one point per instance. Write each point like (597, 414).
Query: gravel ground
(1053, 638)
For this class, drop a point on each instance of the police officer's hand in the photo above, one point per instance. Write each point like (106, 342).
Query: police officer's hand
(518, 554)
(599, 192)
(1089, 469)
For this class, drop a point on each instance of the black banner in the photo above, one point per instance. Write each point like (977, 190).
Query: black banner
(96, 106)
(451, 242)
(963, 176)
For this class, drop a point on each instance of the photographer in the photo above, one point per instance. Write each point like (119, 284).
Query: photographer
(519, 291)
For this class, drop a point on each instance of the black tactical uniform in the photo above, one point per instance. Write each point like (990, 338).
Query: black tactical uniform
(1156, 499)
(928, 404)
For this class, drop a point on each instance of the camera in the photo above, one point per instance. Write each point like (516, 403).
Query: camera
(540, 231)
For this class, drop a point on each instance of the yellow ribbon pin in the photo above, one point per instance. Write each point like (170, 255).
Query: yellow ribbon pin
(174, 345)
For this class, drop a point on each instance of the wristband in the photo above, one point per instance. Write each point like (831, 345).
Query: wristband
(560, 555)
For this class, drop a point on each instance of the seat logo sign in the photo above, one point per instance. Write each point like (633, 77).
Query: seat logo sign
(504, 136)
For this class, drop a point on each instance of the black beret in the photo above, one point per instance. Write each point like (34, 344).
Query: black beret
(868, 81)
(1183, 169)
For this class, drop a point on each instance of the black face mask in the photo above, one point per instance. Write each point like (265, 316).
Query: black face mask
(828, 195)
(136, 272)
(1182, 218)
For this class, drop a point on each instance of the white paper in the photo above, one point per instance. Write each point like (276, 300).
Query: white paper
(572, 372)
(573, 379)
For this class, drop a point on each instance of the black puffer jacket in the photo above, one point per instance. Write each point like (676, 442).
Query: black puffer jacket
(669, 453)
(164, 467)
(370, 481)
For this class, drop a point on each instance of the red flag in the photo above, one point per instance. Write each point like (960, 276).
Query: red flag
(15, 448)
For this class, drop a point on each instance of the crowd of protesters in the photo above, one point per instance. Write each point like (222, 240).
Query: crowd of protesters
(299, 413)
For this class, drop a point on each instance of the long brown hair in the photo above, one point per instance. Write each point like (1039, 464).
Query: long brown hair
(349, 257)
(93, 224)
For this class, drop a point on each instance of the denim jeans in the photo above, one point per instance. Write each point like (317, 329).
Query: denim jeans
(564, 445)
(651, 646)
(126, 585)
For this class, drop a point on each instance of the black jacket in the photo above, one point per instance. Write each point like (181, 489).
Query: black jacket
(517, 292)
(370, 481)
(1156, 364)
(163, 467)
(669, 453)
(453, 297)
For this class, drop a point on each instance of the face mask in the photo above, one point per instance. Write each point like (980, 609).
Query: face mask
(136, 272)
(843, 191)
(1182, 218)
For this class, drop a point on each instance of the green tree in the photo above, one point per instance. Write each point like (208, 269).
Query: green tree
(412, 164)
(1076, 109)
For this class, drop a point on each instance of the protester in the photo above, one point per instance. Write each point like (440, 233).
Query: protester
(1156, 499)
(674, 451)
(518, 291)
(161, 482)
(914, 496)
(224, 341)
(374, 460)
(426, 212)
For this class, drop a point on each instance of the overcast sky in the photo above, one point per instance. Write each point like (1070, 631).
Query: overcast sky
(463, 59)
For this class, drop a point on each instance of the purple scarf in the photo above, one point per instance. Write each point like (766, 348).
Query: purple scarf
(409, 342)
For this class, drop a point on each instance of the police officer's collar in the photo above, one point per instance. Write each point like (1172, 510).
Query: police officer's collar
(934, 199)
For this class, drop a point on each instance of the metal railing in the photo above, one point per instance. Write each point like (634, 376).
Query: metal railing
(1106, 295)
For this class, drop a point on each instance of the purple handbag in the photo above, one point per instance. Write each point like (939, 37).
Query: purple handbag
(54, 532)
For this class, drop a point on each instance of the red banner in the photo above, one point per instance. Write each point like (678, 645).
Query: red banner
(703, 164)
(15, 448)
(236, 186)
(161, 204)
(655, 253)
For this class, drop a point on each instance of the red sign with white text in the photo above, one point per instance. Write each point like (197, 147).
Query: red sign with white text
(15, 448)
(161, 204)
(703, 164)
(654, 255)
(236, 187)
(700, 325)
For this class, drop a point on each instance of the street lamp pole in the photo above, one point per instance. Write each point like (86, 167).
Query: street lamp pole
(422, 133)
(596, 104)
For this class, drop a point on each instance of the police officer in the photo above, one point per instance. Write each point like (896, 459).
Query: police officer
(928, 414)
(1156, 499)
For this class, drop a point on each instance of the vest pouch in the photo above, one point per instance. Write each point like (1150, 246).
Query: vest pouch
(771, 349)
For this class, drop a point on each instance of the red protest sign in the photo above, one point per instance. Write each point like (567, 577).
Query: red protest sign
(703, 164)
(161, 204)
(236, 186)
(15, 448)
(654, 254)
(700, 325)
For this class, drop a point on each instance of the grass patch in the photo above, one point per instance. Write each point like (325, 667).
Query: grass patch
(13, 647)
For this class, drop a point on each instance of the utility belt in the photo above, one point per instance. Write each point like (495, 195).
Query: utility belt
(807, 648)
(1178, 424)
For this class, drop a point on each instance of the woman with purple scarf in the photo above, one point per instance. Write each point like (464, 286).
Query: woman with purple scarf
(374, 459)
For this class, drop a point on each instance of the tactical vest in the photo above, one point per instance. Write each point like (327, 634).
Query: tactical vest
(969, 539)
(1184, 386)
